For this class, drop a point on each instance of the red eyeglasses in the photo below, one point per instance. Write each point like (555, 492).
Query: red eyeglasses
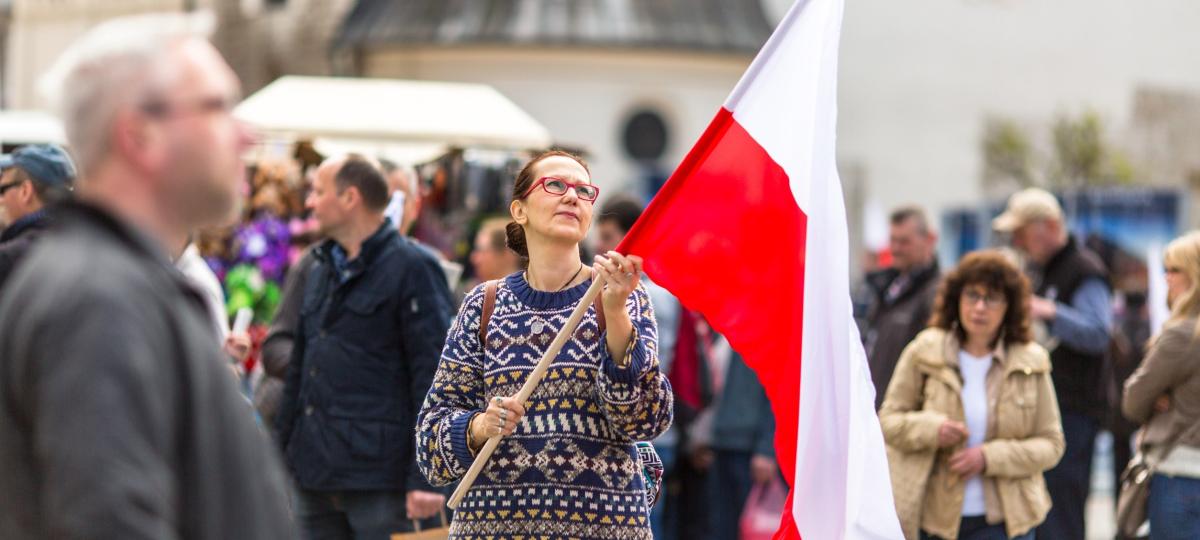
(558, 186)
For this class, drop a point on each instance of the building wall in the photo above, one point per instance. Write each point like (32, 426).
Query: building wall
(585, 96)
(260, 41)
(5, 22)
(919, 78)
(42, 29)
(263, 42)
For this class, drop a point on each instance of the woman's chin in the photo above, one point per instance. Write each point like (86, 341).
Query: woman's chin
(974, 331)
(565, 233)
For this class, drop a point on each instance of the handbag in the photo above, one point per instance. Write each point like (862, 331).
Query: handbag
(440, 533)
(1134, 494)
(764, 506)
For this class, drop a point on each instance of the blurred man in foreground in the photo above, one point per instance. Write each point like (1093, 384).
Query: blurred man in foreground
(117, 418)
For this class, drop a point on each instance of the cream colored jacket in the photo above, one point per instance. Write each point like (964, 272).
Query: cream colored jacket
(1024, 435)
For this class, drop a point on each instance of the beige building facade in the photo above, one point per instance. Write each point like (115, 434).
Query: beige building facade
(262, 39)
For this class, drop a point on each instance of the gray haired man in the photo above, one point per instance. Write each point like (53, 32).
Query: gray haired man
(117, 419)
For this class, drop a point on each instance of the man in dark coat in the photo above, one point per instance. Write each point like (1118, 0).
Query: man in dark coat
(1072, 312)
(902, 295)
(118, 418)
(31, 180)
(373, 320)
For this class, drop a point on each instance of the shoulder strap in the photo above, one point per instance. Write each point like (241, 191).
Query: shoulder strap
(489, 304)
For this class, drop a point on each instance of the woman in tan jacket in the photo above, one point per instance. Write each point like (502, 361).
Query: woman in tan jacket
(1164, 395)
(970, 417)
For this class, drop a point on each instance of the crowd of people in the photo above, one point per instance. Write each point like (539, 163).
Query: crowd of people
(381, 378)
(991, 413)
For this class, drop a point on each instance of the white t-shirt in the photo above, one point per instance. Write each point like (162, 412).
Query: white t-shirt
(975, 404)
(192, 265)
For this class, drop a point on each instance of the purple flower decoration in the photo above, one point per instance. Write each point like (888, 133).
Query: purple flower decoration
(264, 243)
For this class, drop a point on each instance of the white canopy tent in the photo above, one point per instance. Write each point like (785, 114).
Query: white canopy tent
(30, 127)
(403, 120)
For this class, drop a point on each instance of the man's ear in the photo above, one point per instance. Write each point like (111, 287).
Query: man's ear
(134, 137)
(26, 192)
(350, 197)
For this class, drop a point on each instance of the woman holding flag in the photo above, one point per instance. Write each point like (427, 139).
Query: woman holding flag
(970, 418)
(567, 465)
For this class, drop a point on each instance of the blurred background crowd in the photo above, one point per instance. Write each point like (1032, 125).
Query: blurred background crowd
(946, 110)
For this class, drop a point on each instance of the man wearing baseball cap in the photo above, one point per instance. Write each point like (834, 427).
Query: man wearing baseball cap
(1073, 300)
(32, 178)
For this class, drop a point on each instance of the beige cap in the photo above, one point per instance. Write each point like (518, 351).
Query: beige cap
(1026, 206)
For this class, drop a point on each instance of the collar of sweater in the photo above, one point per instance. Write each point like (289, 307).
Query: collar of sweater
(544, 299)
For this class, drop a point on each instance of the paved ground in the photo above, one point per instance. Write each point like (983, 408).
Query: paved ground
(1102, 502)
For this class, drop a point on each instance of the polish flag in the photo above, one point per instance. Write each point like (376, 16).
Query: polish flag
(750, 230)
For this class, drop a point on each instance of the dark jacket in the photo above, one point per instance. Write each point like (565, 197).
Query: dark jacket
(891, 325)
(277, 348)
(118, 417)
(1078, 375)
(366, 348)
(16, 240)
(744, 421)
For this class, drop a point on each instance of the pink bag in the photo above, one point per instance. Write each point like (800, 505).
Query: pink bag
(763, 511)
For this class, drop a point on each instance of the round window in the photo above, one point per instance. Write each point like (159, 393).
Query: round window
(645, 136)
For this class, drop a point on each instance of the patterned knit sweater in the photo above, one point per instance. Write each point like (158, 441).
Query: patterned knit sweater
(571, 469)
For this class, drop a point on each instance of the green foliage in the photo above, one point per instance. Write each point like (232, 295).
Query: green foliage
(1007, 153)
(1079, 155)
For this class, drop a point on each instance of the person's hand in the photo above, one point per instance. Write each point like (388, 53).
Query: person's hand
(702, 458)
(763, 469)
(968, 462)
(237, 346)
(951, 433)
(423, 504)
(621, 274)
(500, 419)
(1162, 404)
(1042, 309)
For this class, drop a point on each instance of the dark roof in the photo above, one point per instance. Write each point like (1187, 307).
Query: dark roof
(710, 25)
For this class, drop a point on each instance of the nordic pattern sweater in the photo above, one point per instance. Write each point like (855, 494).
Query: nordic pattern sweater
(570, 470)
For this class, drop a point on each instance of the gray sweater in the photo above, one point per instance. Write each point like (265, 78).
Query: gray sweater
(117, 417)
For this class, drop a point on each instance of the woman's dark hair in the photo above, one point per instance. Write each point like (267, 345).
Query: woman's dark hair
(525, 179)
(996, 273)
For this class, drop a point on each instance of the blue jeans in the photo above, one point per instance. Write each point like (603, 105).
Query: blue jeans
(1174, 508)
(1069, 481)
(977, 528)
(359, 515)
(657, 523)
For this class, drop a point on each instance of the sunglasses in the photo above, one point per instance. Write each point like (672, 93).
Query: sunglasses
(558, 186)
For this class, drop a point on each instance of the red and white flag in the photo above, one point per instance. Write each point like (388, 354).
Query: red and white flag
(750, 230)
